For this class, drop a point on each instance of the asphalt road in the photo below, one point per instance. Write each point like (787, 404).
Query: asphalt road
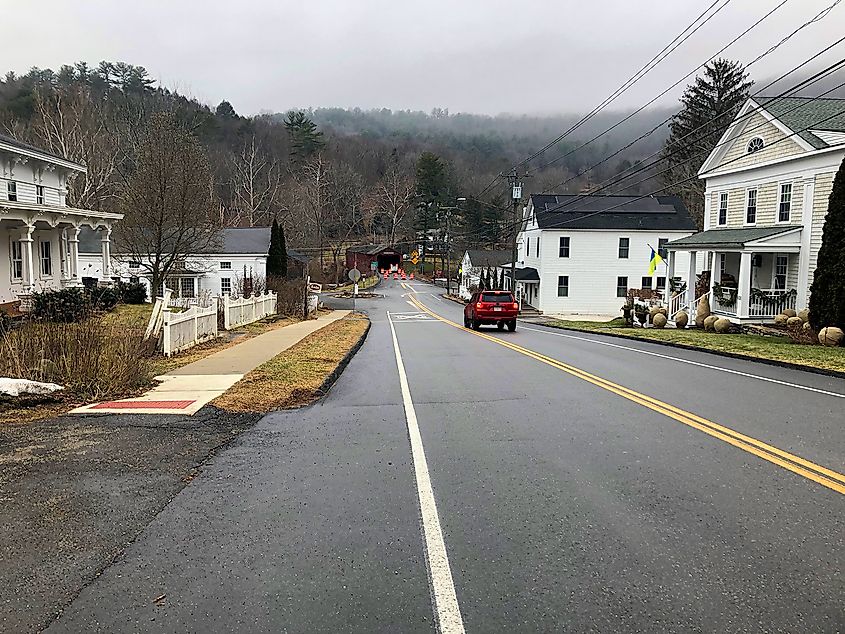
(579, 484)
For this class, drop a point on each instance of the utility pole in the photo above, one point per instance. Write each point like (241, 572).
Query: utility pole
(516, 196)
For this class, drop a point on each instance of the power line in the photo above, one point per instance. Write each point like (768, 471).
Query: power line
(650, 65)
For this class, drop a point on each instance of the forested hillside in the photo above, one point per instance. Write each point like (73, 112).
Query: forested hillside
(330, 175)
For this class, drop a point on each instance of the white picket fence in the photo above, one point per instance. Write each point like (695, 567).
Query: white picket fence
(184, 330)
(239, 312)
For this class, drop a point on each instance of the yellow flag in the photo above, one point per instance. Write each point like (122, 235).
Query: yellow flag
(655, 260)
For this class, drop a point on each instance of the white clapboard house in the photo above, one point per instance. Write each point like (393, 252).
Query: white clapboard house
(768, 181)
(39, 232)
(580, 254)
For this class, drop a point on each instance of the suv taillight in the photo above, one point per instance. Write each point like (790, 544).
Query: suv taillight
(479, 305)
(515, 306)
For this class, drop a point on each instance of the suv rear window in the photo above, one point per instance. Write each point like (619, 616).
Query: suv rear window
(498, 298)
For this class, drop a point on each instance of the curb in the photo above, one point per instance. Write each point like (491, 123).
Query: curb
(731, 355)
(332, 378)
(452, 299)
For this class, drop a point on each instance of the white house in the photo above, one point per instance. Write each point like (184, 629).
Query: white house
(767, 187)
(475, 263)
(580, 254)
(39, 233)
(238, 253)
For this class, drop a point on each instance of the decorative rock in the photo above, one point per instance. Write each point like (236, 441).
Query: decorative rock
(794, 322)
(780, 320)
(807, 326)
(659, 320)
(831, 336)
(654, 310)
(681, 319)
(702, 311)
(709, 321)
(722, 325)
(663, 311)
(790, 313)
(804, 315)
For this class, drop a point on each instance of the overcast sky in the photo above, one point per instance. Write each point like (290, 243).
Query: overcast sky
(487, 56)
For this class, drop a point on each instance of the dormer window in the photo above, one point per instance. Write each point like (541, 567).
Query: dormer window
(754, 145)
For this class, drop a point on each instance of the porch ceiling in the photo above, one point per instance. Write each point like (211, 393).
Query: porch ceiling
(730, 239)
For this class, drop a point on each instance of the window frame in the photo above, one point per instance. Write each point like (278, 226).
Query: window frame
(225, 265)
(45, 258)
(622, 286)
(662, 251)
(748, 192)
(565, 285)
(537, 248)
(12, 191)
(723, 262)
(224, 281)
(658, 286)
(720, 220)
(527, 246)
(644, 286)
(182, 281)
(39, 194)
(16, 259)
(781, 203)
(626, 248)
(748, 149)
(563, 244)
(784, 275)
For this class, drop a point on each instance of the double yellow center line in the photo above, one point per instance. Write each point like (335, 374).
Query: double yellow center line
(810, 470)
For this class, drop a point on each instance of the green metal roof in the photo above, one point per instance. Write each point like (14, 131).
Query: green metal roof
(729, 238)
(807, 113)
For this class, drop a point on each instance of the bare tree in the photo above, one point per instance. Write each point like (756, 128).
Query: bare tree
(392, 198)
(313, 197)
(344, 217)
(256, 179)
(168, 201)
(71, 122)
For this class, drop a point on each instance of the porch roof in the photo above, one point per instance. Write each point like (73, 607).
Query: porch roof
(527, 274)
(728, 238)
(37, 211)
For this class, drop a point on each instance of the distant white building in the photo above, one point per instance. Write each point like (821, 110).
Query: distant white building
(39, 233)
(580, 254)
(475, 263)
(238, 253)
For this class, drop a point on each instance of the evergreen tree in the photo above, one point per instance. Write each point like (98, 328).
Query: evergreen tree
(277, 258)
(827, 293)
(306, 139)
(225, 110)
(502, 279)
(718, 94)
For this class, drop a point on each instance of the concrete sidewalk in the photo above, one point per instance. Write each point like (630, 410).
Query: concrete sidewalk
(187, 389)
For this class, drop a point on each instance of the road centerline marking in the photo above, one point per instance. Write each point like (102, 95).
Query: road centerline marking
(691, 362)
(447, 612)
(810, 470)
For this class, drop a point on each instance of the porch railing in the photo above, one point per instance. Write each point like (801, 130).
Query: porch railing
(722, 303)
(677, 304)
(768, 302)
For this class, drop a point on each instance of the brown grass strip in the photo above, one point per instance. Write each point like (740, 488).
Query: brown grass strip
(292, 378)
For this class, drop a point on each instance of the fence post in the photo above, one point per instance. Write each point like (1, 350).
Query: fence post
(167, 344)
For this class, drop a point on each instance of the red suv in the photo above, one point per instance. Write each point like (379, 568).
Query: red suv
(491, 307)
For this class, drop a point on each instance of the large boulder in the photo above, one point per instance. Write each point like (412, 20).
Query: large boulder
(709, 321)
(702, 311)
(780, 320)
(653, 311)
(659, 320)
(681, 319)
(722, 325)
(804, 315)
(794, 322)
(663, 311)
(790, 313)
(831, 336)
(807, 327)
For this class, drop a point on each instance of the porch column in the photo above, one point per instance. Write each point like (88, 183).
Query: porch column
(691, 284)
(28, 261)
(667, 292)
(804, 257)
(744, 284)
(105, 245)
(73, 244)
(64, 255)
(714, 265)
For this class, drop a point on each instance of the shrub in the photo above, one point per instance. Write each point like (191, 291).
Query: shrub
(827, 293)
(93, 358)
(290, 295)
(132, 293)
(104, 298)
(66, 305)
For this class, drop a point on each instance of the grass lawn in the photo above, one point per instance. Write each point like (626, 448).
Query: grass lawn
(774, 348)
(293, 377)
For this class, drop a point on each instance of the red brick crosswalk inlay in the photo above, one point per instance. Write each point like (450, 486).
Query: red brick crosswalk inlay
(143, 405)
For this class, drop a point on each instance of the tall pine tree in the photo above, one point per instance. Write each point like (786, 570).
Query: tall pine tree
(306, 139)
(277, 258)
(717, 95)
(827, 293)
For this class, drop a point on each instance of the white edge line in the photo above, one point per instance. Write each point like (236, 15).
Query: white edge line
(690, 362)
(446, 608)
